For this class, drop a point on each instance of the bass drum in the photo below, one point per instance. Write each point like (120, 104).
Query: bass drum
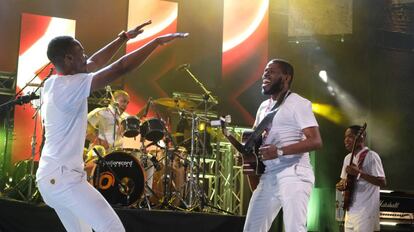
(120, 179)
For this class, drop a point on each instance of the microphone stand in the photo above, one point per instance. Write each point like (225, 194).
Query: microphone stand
(8, 107)
(207, 96)
(208, 93)
(36, 75)
(34, 143)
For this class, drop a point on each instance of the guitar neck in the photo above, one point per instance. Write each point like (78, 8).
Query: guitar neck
(236, 144)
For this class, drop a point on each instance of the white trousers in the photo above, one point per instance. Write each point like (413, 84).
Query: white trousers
(78, 204)
(290, 190)
(355, 222)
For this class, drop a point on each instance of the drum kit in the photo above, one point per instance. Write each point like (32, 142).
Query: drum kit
(159, 168)
(153, 168)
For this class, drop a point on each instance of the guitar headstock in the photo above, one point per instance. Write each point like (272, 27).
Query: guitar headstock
(359, 136)
(222, 122)
(362, 130)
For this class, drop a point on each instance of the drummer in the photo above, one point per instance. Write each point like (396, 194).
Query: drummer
(104, 124)
(101, 130)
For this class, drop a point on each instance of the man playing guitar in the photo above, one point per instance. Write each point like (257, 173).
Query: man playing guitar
(291, 133)
(362, 212)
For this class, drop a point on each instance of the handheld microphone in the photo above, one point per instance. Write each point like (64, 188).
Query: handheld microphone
(183, 66)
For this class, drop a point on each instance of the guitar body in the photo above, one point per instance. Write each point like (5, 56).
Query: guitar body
(253, 167)
(251, 162)
(349, 191)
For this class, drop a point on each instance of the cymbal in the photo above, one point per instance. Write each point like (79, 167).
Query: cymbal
(175, 103)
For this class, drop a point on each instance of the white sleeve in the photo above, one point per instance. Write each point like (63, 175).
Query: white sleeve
(72, 90)
(304, 115)
(375, 166)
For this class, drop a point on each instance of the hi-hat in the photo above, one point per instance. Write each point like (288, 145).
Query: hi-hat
(175, 103)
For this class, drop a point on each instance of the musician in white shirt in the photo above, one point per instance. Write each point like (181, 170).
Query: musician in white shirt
(363, 213)
(288, 177)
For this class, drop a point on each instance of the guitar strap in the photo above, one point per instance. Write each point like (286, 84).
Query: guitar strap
(362, 158)
(257, 133)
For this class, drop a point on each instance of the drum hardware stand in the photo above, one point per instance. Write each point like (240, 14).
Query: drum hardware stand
(116, 114)
(155, 164)
(169, 158)
(194, 133)
(124, 189)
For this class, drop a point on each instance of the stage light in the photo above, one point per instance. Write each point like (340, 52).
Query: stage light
(329, 112)
(323, 75)
(202, 126)
(331, 90)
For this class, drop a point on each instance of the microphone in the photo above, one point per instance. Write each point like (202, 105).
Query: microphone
(108, 90)
(26, 98)
(183, 66)
(147, 107)
(110, 95)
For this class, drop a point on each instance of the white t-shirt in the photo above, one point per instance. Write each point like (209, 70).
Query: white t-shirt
(64, 111)
(365, 200)
(294, 115)
(103, 119)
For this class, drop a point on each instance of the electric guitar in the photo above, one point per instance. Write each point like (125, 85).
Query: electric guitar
(253, 167)
(350, 179)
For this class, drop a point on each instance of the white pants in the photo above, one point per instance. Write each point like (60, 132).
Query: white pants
(289, 189)
(360, 223)
(77, 203)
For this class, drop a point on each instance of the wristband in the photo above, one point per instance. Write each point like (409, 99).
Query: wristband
(123, 35)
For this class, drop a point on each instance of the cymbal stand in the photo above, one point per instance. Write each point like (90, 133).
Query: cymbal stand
(29, 196)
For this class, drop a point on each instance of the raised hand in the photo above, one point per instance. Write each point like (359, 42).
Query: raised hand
(169, 37)
(137, 30)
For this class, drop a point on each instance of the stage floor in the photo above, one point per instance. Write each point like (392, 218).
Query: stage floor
(16, 216)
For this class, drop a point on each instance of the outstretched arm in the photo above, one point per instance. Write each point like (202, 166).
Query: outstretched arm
(130, 61)
(105, 54)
